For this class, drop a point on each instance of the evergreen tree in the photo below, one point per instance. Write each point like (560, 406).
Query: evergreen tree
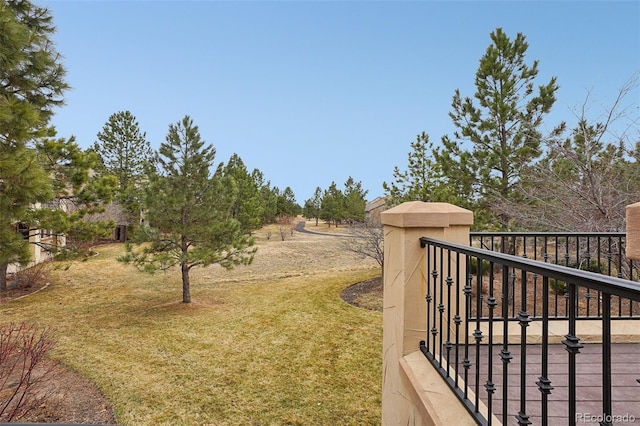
(287, 205)
(31, 85)
(78, 193)
(34, 166)
(190, 210)
(248, 207)
(312, 206)
(269, 198)
(31, 76)
(125, 153)
(498, 130)
(354, 200)
(332, 205)
(23, 182)
(422, 180)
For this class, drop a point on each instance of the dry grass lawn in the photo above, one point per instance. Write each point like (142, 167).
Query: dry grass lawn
(267, 344)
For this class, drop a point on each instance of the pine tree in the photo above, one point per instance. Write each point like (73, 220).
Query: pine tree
(332, 205)
(270, 202)
(498, 129)
(35, 167)
(287, 205)
(190, 210)
(312, 206)
(23, 182)
(125, 152)
(354, 200)
(422, 180)
(78, 194)
(248, 207)
(31, 76)
(31, 85)
(268, 196)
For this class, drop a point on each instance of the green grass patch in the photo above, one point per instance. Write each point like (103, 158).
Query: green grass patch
(263, 348)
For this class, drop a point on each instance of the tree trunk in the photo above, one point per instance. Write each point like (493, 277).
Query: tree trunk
(186, 289)
(3, 276)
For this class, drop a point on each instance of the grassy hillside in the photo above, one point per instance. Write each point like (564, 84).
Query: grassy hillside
(267, 344)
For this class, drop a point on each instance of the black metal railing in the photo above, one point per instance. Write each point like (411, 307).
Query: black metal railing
(603, 253)
(490, 369)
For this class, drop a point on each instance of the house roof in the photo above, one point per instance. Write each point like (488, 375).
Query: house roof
(112, 211)
(375, 203)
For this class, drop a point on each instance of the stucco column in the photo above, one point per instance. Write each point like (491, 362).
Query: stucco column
(633, 231)
(405, 282)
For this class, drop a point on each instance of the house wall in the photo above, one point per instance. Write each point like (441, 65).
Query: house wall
(373, 209)
(37, 240)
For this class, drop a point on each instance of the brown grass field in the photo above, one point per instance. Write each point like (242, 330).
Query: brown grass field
(267, 344)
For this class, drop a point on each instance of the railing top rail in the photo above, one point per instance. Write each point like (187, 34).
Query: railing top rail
(606, 284)
(547, 234)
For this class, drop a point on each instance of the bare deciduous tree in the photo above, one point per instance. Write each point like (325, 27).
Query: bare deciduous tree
(23, 348)
(366, 241)
(287, 226)
(584, 181)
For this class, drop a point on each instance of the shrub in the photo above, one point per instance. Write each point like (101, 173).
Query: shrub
(31, 276)
(23, 348)
(559, 287)
(591, 265)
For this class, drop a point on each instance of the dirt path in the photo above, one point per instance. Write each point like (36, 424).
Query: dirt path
(300, 227)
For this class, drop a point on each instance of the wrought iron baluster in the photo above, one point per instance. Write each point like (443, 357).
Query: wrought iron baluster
(477, 334)
(556, 262)
(434, 328)
(466, 363)
(441, 307)
(599, 294)
(544, 384)
(490, 386)
(428, 298)
(566, 263)
(535, 279)
(457, 320)
(620, 275)
(523, 320)
(505, 354)
(572, 345)
(587, 294)
(449, 281)
(606, 360)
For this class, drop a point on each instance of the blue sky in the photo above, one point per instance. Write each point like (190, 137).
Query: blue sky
(311, 92)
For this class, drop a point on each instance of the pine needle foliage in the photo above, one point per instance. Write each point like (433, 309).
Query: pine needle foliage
(189, 211)
(36, 168)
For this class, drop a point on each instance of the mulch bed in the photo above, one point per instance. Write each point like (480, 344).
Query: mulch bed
(354, 293)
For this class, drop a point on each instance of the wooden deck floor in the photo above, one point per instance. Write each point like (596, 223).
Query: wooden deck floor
(625, 385)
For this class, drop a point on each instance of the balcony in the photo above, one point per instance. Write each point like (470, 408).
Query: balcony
(500, 329)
